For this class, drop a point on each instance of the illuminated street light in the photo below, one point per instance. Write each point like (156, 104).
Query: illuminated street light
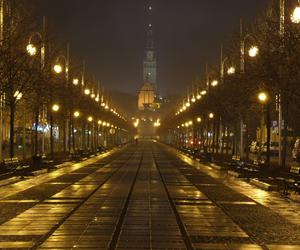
(31, 49)
(262, 97)
(190, 122)
(204, 92)
(76, 114)
(93, 95)
(211, 115)
(199, 119)
(75, 81)
(100, 122)
(295, 17)
(231, 70)
(18, 95)
(199, 97)
(57, 69)
(193, 99)
(214, 83)
(55, 107)
(90, 119)
(87, 92)
(188, 104)
(253, 51)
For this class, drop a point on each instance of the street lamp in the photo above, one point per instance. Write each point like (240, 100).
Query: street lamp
(55, 107)
(76, 114)
(263, 97)
(75, 81)
(214, 83)
(31, 49)
(231, 70)
(295, 16)
(18, 95)
(37, 42)
(253, 51)
(211, 115)
(199, 119)
(57, 68)
(90, 118)
(87, 91)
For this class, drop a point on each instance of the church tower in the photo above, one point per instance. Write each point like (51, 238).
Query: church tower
(150, 64)
(147, 94)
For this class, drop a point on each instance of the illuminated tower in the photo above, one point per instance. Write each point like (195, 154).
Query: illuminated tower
(147, 93)
(150, 64)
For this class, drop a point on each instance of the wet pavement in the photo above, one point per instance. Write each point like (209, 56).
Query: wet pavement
(144, 197)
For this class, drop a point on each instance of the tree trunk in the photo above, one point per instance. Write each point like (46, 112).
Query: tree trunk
(73, 136)
(223, 137)
(227, 139)
(12, 131)
(268, 134)
(285, 132)
(36, 121)
(51, 136)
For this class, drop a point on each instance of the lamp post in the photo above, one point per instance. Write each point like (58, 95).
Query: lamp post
(59, 69)
(253, 52)
(90, 132)
(76, 115)
(295, 18)
(54, 109)
(32, 51)
(263, 98)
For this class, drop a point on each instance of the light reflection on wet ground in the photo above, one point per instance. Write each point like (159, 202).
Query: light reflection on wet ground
(83, 207)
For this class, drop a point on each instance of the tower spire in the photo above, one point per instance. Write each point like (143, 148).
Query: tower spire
(150, 58)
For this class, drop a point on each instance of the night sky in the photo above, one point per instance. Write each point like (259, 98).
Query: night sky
(110, 36)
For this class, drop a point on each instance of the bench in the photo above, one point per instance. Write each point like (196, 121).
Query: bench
(235, 161)
(291, 181)
(255, 166)
(76, 156)
(14, 165)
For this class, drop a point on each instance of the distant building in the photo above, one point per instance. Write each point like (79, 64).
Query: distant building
(148, 100)
(146, 96)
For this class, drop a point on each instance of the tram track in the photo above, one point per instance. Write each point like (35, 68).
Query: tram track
(116, 234)
(65, 218)
(182, 228)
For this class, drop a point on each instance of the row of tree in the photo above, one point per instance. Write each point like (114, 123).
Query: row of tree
(39, 78)
(264, 57)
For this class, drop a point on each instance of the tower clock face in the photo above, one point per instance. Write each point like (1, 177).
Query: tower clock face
(150, 55)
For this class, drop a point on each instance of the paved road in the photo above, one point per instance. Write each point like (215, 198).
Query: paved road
(144, 197)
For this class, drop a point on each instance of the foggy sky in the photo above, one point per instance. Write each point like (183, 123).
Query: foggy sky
(110, 36)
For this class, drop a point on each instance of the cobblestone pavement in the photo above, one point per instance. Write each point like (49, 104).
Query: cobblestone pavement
(144, 197)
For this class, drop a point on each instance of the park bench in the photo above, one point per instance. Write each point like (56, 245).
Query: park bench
(253, 167)
(291, 180)
(235, 162)
(14, 165)
(75, 156)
